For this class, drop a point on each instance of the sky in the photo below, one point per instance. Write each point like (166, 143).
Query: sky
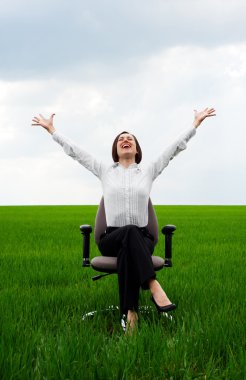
(107, 66)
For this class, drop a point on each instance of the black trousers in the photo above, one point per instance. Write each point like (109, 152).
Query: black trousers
(133, 247)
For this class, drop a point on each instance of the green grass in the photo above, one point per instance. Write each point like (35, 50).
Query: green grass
(45, 292)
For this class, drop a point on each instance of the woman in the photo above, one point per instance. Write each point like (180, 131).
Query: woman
(126, 190)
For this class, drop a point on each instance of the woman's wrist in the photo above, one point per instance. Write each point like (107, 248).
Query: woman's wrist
(196, 124)
(51, 130)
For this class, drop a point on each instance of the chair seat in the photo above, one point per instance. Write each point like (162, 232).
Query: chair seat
(109, 264)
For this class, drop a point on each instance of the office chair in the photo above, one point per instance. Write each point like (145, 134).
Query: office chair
(108, 265)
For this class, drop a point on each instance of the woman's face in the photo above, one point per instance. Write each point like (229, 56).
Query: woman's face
(126, 146)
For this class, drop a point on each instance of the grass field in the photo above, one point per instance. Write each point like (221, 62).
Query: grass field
(45, 292)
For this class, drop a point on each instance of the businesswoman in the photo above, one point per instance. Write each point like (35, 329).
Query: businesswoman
(126, 190)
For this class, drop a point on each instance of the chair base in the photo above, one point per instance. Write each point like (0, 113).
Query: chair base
(146, 311)
(111, 309)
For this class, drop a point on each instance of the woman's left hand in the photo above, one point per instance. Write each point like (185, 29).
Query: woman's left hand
(201, 115)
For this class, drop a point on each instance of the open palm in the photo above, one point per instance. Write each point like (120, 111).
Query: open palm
(201, 115)
(45, 123)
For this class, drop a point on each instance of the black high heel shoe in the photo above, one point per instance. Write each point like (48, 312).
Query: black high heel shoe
(164, 309)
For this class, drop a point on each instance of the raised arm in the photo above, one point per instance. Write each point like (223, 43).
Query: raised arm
(179, 144)
(69, 147)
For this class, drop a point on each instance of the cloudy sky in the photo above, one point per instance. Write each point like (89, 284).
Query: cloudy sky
(107, 66)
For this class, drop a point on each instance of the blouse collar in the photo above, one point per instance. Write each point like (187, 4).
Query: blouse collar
(132, 166)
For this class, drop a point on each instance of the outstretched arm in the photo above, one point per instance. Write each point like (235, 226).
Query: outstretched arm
(69, 147)
(180, 144)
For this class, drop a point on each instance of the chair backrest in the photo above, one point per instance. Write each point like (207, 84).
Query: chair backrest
(100, 222)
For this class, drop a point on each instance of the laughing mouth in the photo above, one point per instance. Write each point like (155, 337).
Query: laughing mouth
(126, 145)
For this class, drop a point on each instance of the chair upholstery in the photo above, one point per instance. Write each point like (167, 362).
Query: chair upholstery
(109, 264)
(100, 222)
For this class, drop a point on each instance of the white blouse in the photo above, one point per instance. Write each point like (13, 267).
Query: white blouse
(126, 191)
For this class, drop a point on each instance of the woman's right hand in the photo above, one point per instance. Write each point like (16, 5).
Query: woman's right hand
(45, 123)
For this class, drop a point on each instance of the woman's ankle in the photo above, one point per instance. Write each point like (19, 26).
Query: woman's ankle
(153, 285)
(158, 293)
(132, 319)
(132, 315)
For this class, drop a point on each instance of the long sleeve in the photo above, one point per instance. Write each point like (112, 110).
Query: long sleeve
(170, 152)
(84, 158)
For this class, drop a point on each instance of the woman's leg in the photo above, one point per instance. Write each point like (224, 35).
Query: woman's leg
(132, 318)
(133, 250)
(158, 293)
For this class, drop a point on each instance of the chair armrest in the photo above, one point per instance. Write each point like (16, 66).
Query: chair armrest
(168, 231)
(86, 230)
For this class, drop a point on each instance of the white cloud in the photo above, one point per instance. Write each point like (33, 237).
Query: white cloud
(45, 39)
(155, 101)
(47, 180)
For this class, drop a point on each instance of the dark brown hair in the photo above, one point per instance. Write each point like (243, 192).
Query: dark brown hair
(115, 156)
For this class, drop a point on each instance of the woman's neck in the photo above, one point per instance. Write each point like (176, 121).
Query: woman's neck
(126, 162)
